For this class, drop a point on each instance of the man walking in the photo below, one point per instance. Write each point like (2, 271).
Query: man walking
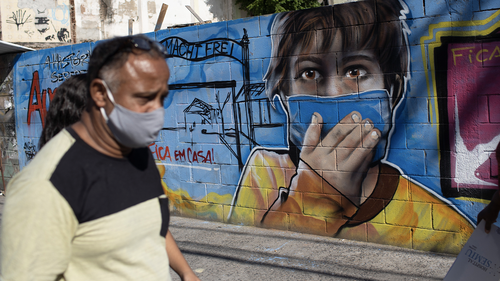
(90, 205)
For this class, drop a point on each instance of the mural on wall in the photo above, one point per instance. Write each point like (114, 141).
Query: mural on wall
(340, 87)
(367, 120)
(460, 62)
(472, 130)
(47, 21)
(36, 78)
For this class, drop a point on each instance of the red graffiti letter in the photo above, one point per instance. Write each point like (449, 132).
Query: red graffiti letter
(200, 154)
(195, 157)
(39, 105)
(188, 153)
(155, 152)
(159, 153)
(182, 155)
(167, 154)
(51, 93)
(208, 158)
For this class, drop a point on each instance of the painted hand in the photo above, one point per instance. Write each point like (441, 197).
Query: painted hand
(343, 157)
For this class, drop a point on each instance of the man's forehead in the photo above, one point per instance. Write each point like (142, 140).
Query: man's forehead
(146, 61)
(145, 64)
(141, 73)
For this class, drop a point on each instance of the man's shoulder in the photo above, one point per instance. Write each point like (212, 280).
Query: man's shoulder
(34, 178)
(47, 159)
(71, 157)
(96, 185)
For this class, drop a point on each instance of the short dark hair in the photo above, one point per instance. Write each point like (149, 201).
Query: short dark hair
(65, 108)
(113, 53)
(377, 26)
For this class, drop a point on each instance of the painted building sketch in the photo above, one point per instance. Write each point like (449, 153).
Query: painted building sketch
(239, 104)
(369, 120)
(47, 21)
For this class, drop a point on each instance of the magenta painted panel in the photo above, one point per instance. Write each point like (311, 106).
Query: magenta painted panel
(473, 80)
(494, 108)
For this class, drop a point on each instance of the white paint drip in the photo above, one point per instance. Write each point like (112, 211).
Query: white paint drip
(467, 162)
(190, 166)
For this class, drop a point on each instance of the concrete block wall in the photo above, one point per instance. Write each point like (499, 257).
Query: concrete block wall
(63, 21)
(401, 148)
(8, 141)
(105, 19)
(41, 21)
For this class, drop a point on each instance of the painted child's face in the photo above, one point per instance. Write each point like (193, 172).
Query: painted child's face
(334, 83)
(334, 72)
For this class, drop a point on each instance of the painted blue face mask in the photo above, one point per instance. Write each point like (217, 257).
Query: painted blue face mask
(373, 104)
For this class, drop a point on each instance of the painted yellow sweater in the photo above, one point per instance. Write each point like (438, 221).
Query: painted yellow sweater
(274, 193)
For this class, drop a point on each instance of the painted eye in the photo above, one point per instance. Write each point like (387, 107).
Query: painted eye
(310, 74)
(355, 73)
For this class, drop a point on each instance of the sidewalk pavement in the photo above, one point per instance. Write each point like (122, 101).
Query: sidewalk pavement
(218, 251)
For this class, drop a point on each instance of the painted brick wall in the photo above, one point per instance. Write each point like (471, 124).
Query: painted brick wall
(399, 151)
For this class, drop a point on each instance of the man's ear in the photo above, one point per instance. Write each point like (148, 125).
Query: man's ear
(98, 93)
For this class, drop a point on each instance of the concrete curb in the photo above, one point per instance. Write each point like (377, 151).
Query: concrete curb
(218, 251)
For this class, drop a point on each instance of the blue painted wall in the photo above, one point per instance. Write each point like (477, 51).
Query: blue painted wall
(226, 151)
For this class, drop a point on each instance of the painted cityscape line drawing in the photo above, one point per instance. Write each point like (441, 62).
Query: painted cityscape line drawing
(249, 95)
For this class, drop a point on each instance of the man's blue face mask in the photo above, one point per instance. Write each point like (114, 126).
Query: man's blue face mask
(374, 105)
